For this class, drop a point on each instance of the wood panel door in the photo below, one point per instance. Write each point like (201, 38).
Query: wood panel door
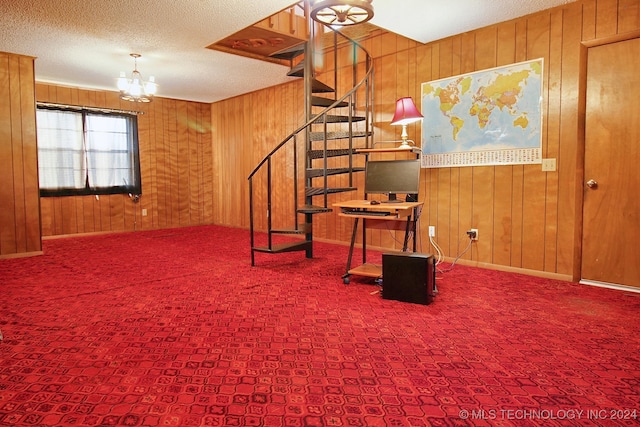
(611, 220)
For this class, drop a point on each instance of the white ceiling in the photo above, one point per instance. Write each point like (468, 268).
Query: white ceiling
(86, 43)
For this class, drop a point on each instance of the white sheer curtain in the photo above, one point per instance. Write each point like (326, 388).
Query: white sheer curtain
(109, 157)
(61, 155)
(97, 154)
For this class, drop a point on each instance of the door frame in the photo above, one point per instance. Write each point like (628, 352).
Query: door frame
(581, 146)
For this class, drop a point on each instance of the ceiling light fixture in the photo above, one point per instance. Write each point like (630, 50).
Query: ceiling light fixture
(341, 12)
(406, 113)
(136, 89)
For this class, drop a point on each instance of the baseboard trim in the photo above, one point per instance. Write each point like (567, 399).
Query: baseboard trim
(615, 286)
(22, 255)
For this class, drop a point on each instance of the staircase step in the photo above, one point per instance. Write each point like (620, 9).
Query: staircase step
(284, 247)
(321, 101)
(318, 87)
(319, 191)
(297, 70)
(319, 136)
(302, 229)
(316, 172)
(338, 119)
(290, 52)
(312, 209)
(319, 154)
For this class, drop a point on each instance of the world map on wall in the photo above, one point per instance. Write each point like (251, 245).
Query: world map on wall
(488, 117)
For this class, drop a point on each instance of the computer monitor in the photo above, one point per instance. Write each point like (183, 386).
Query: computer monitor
(392, 177)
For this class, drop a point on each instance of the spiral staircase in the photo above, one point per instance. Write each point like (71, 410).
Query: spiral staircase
(294, 182)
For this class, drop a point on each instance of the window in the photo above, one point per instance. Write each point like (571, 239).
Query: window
(86, 152)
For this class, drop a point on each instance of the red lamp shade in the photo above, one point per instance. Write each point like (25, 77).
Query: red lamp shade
(406, 112)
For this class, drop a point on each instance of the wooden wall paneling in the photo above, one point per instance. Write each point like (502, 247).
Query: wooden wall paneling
(456, 55)
(33, 232)
(17, 143)
(628, 15)
(207, 163)
(30, 159)
(161, 187)
(200, 133)
(8, 244)
(222, 146)
(280, 186)
(183, 167)
(258, 153)
(20, 229)
(388, 43)
(216, 130)
(517, 171)
(516, 216)
(261, 150)
(174, 173)
(193, 160)
(483, 177)
(147, 162)
(502, 216)
(46, 213)
(552, 147)
(244, 156)
(606, 18)
(533, 245)
(460, 192)
(441, 200)
(589, 9)
(219, 159)
(506, 51)
(165, 180)
(431, 175)
(28, 204)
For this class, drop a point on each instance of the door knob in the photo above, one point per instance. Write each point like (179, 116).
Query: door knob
(592, 183)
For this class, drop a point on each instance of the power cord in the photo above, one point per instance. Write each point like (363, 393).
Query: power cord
(459, 256)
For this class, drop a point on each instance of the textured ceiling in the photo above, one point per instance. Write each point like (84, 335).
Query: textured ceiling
(86, 43)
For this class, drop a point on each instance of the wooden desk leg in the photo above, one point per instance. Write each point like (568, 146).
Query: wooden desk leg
(406, 234)
(345, 277)
(364, 241)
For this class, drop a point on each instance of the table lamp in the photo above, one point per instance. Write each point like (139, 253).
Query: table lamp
(406, 113)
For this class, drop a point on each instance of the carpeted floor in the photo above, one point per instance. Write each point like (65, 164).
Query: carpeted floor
(175, 328)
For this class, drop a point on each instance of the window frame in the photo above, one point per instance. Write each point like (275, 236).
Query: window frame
(134, 151)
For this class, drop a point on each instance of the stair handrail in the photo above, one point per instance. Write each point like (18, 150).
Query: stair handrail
(322, 116)
(325, 111)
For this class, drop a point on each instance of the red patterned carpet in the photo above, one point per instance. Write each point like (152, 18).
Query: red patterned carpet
(175, 328)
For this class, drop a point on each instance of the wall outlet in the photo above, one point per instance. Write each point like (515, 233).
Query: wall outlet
(548, 165)
(432, 231)
(144, 212)
(473, 232)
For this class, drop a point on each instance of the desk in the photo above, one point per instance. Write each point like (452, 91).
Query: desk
(402, 216)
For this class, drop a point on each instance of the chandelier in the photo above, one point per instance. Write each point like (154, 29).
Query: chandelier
(341, 12)
(136, 89)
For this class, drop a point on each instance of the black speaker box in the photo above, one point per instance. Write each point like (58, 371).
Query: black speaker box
(408, 277)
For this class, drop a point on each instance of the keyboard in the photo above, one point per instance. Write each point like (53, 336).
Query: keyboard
(367, 213)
